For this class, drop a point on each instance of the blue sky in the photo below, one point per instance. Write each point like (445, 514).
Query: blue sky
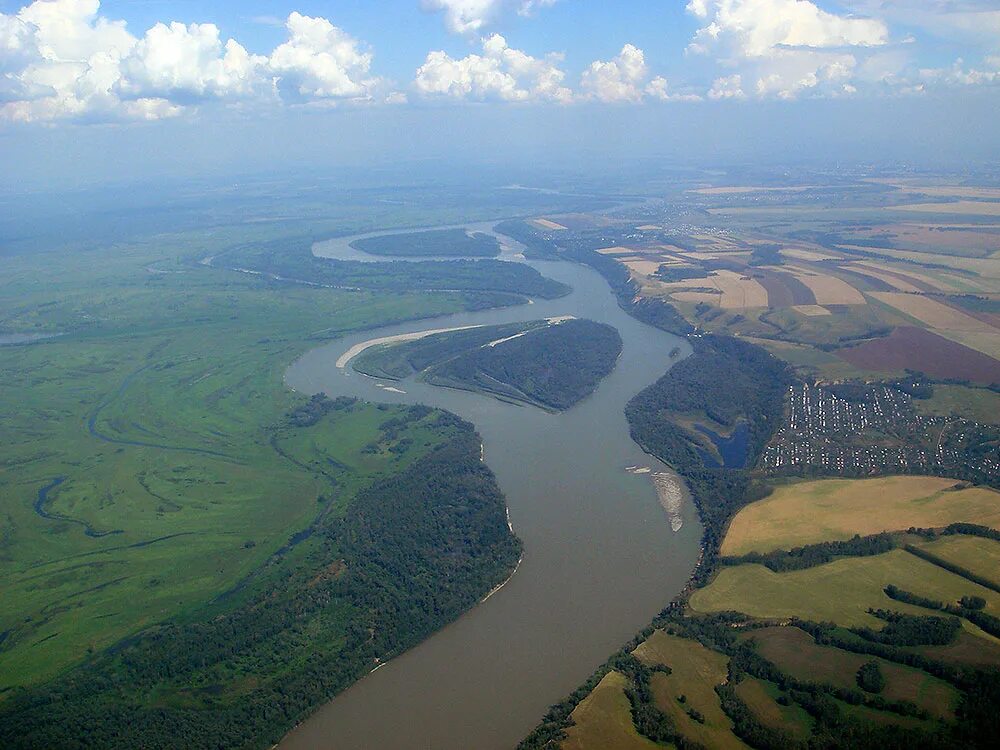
(544, 74)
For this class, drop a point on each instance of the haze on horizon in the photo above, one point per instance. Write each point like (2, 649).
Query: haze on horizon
(118, 91)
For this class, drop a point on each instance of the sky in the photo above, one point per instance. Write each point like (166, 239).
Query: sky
(357, 78)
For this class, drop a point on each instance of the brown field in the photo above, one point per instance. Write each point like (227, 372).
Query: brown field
(695, 671)
(546, 224)
(837, 509)
(738, 292)
(964, 208)
(648, 228)
(756, 694)
(913, 348)
(604, 720)
(811, 310)
(935, 314)
(830, 290)
(795, 652)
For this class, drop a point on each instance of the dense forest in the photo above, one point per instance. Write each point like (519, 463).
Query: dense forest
(556, 366)
(294, 261)
(551, 366)
(411, 553)
(439, 242)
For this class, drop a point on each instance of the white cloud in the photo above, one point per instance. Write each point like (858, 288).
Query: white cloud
(618, 80)
(500, 73)
(189, 63)
(788, 47)
(60, 59)
(730, 87)
(473, 16)
(960, 75)
(321, 61)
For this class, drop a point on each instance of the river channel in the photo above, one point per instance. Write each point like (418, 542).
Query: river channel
(602, 555)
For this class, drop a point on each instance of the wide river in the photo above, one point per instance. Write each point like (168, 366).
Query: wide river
(600, 555)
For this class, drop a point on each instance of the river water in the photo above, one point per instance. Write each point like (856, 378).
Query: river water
(600, 555)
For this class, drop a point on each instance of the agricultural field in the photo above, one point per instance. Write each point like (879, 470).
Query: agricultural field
(604, 719)
(842, 591)
(803, 513)
(976, 404)
(796, 652)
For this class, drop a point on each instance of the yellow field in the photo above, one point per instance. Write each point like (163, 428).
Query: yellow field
(830, 290)
(981, 556)
(837, 509)
(965, 208)
(811, 310)
(895, 282)
(934, 313)
(988, 267)
(941, 191)
(841, 591)
(987, 342)
(800, 254)
(696, 297)
(695, 671)
(546, 224)
(643, 267)
(937, 283)
(648, 228)
(604, 720)
(616, 251)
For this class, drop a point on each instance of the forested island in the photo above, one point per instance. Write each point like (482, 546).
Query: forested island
(553, 365)
(438, 242)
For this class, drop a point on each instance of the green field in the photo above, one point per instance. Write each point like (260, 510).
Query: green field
(841, 591)
(981, 556)
(797, 654)
(155, 413)
(604, 720)
(836, 509)
(761, 696)
(977, 404)
(695, 671)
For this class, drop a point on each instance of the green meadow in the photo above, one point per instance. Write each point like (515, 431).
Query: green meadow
(145, 462)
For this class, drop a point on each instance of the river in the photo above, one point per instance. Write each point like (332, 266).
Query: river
(600, 555)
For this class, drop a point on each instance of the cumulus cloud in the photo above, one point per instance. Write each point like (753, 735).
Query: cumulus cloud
(473, 16)
(321, 61)
(500, 73)
(625, 78)
(787, 46)
(60, 59)
(730, 87)
(988, 72)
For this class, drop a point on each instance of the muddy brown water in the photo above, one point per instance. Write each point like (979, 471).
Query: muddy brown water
(600, 557)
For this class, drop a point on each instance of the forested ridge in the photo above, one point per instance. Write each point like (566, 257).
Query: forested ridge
(413, 551)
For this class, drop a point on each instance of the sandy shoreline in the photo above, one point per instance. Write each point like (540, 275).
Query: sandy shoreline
(355, 350)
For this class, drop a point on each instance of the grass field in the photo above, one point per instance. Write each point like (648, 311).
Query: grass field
(695, 671)
(604, 720)
(835, 509)
(981, 556)
(761, 696)
(151, 423)
(841, 591)
(797, 654)
(962, 207)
